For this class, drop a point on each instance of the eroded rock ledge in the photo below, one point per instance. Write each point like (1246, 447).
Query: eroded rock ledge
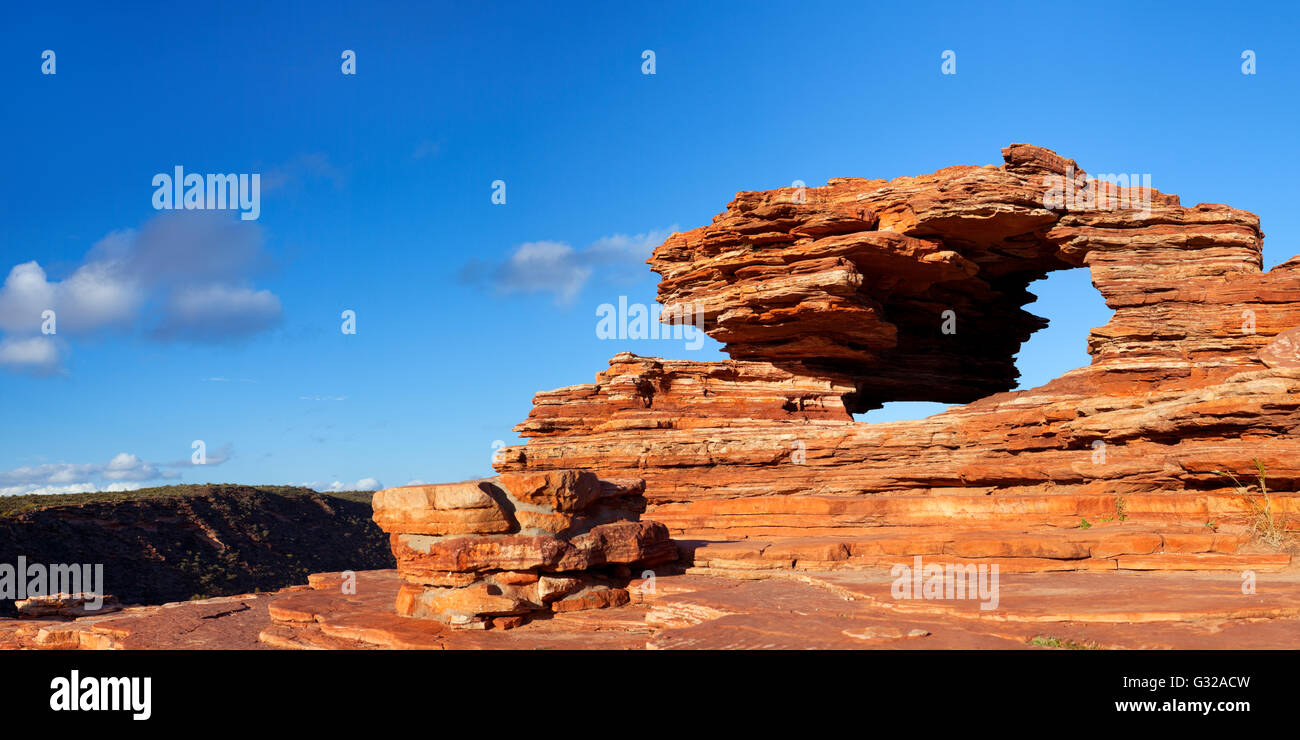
(497, 551)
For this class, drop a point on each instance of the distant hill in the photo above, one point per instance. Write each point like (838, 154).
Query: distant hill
(174, 543)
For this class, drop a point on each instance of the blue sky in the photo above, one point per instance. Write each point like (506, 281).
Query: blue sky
(376, 198)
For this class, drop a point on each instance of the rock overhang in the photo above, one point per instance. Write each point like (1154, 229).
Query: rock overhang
(914, 288)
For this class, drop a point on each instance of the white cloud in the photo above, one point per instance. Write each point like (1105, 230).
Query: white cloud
(30, 490)
(24, 295)
(123, 487)
(73, 488)
(544, 267)
(557, 268)
(98, 294)
(36, 355)
(123, 472)
(365, 484)
(93, 296)
(124, 467)
(183, 276)
(635, 248)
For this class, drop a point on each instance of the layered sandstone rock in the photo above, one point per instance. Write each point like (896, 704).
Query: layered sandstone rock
(492, 552)
(836, 299)
(857, 276)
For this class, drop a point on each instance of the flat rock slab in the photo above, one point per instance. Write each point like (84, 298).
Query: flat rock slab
(224, 623)
(1120, 597)
(785, 614)
(1283, 351)
(841, 610)
(330, 619)
(855, 610)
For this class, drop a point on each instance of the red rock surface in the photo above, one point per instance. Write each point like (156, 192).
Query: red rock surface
(856, 610)
(495, 552)
(833, 303)
(1111, 547)
(851, 610)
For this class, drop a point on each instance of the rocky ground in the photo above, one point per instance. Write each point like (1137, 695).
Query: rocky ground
(845, 609)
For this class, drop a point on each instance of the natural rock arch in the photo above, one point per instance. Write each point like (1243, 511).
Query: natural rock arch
(831, 299)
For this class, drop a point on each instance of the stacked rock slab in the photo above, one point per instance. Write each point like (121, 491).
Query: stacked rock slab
(834, 300)
(493, 552)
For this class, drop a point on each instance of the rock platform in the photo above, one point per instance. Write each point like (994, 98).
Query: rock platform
(846, 610)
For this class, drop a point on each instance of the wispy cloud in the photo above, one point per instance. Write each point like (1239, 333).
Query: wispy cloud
(222, 454)
(301, 169)
(216, 312)
(365, 484)
(124, 472)
(33, 355)
(426, 148)
(561, 270)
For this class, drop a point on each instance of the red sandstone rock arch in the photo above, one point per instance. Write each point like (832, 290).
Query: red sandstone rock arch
(852, 279)
(829, 302)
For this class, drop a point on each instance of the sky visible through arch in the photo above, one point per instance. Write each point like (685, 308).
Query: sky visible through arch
(376, 198)
(1072, 307)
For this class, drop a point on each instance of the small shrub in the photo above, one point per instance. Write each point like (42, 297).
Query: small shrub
(1264, 526)
(1048, 641)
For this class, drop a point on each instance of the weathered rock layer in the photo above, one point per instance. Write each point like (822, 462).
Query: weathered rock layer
(493, 552)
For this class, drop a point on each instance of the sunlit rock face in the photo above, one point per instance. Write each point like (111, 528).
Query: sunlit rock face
(913, 287)
(833, 300)
(495, 552)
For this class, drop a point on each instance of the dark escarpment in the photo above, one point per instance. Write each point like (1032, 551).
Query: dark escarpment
(183, 542)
